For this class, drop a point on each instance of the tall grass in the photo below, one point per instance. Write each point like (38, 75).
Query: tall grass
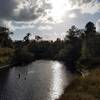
(87, 88)
(5, 55)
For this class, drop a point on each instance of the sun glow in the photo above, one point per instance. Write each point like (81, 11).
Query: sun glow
(59, 9)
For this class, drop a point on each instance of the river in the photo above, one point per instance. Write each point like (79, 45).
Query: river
(40, 80)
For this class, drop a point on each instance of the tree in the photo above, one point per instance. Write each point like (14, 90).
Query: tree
(73, 33)
(90, 45)
(90, 29)
(73, 47)
(58, 40)
(26, 38)
(90, 33)
(5, 40)
(37, 37)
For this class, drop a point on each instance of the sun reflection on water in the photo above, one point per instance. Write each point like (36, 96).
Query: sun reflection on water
(58, 80)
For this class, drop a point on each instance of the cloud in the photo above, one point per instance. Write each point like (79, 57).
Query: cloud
(91, 7)
(98, 25)
(31, 10)
(29, 26)
(19, 25)
(22, 10)
(37, 11)
(60, 35)
(46, 27)
(7, 8)
(26, 14)
(25, 10)
(16, 25)
(72, 15)
(8, 24)
(55, 35)
(87, 6)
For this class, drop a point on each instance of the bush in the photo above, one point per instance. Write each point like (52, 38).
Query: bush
(88, 63)
(22, 57)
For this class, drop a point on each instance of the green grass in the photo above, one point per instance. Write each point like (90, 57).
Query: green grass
(87, 88)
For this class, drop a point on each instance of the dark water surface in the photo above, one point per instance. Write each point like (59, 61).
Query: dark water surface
(41, 80)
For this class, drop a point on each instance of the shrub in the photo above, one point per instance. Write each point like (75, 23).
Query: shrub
(22, 57)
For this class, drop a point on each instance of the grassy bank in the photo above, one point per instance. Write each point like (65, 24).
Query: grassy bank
(87, 88)
(5, 55)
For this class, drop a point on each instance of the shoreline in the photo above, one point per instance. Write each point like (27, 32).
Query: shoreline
(83, 88)
(5, 66)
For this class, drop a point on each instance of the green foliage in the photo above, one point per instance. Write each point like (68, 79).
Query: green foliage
(26, 38)
(73, 47)
(90, 29)
(5, 40)
(22, 56)
(90, 49)
(78, 46)
(45, 49)
(88, 44)
(61, 55)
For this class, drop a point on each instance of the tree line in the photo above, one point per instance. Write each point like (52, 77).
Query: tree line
(79, 49)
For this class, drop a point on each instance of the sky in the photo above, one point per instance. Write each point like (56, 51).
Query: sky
(49, 19)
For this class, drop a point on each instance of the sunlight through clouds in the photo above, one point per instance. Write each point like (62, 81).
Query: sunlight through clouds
(59, 9)
(51, 13)
(72, 15)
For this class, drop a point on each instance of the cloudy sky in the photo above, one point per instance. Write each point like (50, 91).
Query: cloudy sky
(47, 18)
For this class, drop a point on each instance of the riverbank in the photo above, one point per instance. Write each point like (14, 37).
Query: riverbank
(4, 67)
(6, 56)
(84, 88)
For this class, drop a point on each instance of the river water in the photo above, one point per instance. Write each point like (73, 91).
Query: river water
(41, 80)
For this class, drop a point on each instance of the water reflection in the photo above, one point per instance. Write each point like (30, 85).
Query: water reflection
(41, 80)
(59, 80)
